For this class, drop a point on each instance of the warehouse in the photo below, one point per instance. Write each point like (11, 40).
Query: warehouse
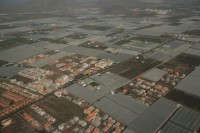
(196, 46)
(174, 44)
(128, 131)
(154, 75)
(193, 39)
(115, 110)
(89, 94)
(110, 80)
(107, 82)
(177, 45)
(9, 71)
(48, 45)
(20, 53)
(173, 128)
(133, 105)
(154, 117)
(187, 118)
(162, 54)
(191, 83)
(83, 51)
(193, 51)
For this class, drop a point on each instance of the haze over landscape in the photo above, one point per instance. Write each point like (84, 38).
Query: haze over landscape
(99, 66)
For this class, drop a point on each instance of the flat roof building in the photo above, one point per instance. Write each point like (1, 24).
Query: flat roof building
(9, 71)
(187, 118)
(20, 53)
(154, 117)
(107, 82)
(191, 83)
(193, 51)
(154, 74)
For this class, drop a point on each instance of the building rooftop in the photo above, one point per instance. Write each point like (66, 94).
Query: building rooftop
(161, 54)
(51, 46)
(128, 131)
(173, 128)
(83, 51)
(107, 82)
(115, 110)
(196, 46)
(191, 83)
(20, 53)
(127, 102)
(193, 51)
(154, 117)
(154, 75)
(10, 71)
(177, 45)
(187, 118)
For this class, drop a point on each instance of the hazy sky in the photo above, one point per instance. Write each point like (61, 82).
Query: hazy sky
(12, 1)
